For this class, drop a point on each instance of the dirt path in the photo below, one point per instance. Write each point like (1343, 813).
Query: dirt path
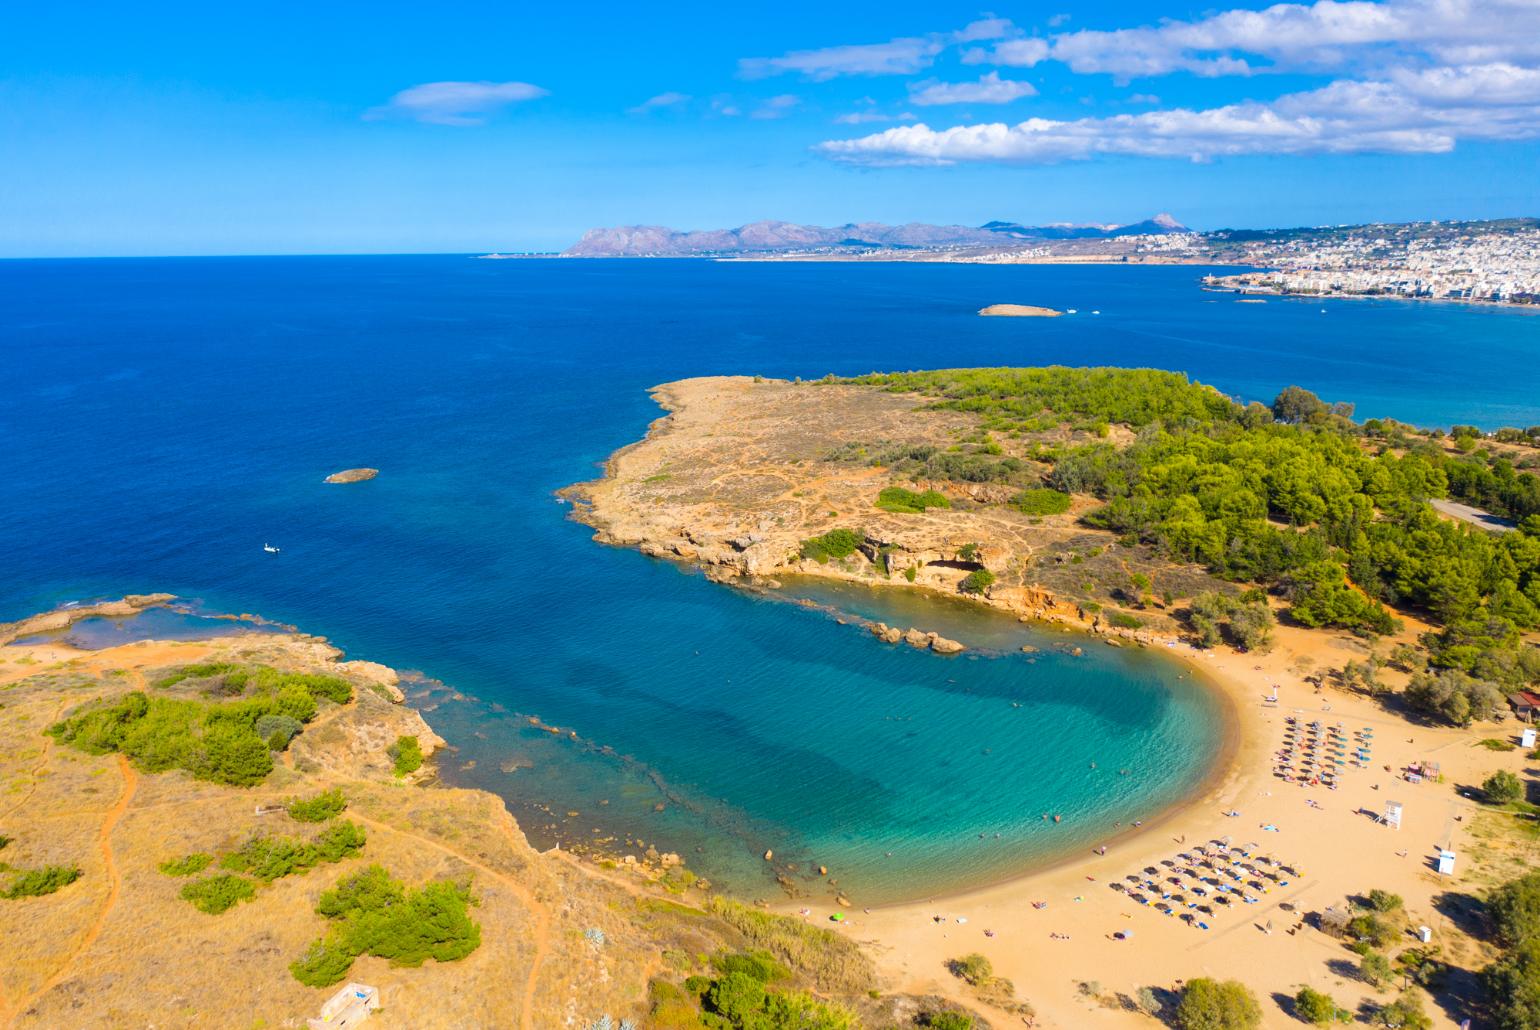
(114, 884)
(537, 909)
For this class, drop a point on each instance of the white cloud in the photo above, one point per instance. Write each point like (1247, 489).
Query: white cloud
(1143, 98)
(1014, 53)
(983, 29)
(1325, 34)
(669, 99)
(1406, 113)
(989, 89)
(454, 103)
(866, 117)
(903, 56)
(776, 107)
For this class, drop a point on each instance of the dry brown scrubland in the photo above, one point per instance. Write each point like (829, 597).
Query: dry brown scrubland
(119, 947)
(737, 475)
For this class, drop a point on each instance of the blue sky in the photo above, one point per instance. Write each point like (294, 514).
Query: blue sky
(173, 128)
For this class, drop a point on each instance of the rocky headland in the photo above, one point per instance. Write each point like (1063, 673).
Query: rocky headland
(742, 472)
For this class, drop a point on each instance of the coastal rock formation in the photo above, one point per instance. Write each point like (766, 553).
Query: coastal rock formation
(376, 675)
(352, 475)
(561, 942)
(64, 618)
(1020, 311)
(741, 472)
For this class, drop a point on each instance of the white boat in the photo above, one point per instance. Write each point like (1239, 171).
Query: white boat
(269, 548)
(1072, 311)
(1097, 311)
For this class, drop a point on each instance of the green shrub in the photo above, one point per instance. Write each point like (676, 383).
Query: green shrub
(1502, 787)
(1513, 988)
(217, 894)
(1493, 744)
(1123, 620)
(974, 968)
(909, 573)
(1405, 1013)
(948, 1020)
(1374, 969)
(907, 502)
(318, 809)
(1318, 1007)
(194, 863)
(1213, 1005)
(278, 730)
(213, 740)
(35, 883)
(977, 581)
(1514, 910)
(835, 544)
(406, 753)
(1370, 927)
(271, 858)
(760, 965)
(206, 670)
(1041, 501)
(376, 915)
(1385, 901)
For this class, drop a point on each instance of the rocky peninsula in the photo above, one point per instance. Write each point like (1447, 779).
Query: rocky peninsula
(742, 472)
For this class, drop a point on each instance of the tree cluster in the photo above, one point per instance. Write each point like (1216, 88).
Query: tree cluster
(1330, 515)
(372, 913)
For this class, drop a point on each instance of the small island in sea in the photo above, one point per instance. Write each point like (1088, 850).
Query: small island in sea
(352, 475)
(1020, 311)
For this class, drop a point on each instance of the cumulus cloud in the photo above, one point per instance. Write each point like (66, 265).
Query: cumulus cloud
(1409, 112)
(669, 99)
(1014, 53)
(903, 56)
(1291, 36)
(455, 103)
(989, 89)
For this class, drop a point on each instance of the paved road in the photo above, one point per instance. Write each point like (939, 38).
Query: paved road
(1475, 516)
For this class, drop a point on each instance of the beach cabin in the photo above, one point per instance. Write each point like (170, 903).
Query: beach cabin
(1527, 738)
(1446, 862)
(1525, 705)
(347, 1008)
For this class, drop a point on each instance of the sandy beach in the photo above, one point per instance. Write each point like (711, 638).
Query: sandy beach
(1330, 836)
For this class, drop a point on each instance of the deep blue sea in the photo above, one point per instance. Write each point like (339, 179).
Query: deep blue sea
(160, 420)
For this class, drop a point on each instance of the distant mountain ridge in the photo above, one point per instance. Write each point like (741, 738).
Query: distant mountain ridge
(780, 237)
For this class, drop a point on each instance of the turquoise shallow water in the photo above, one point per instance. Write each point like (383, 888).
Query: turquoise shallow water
(161, 420)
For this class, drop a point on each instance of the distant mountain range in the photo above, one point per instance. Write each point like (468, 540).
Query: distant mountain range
(783, 237)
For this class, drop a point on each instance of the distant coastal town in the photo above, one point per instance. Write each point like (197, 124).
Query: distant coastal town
(1494, 261)
(1471, 261)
